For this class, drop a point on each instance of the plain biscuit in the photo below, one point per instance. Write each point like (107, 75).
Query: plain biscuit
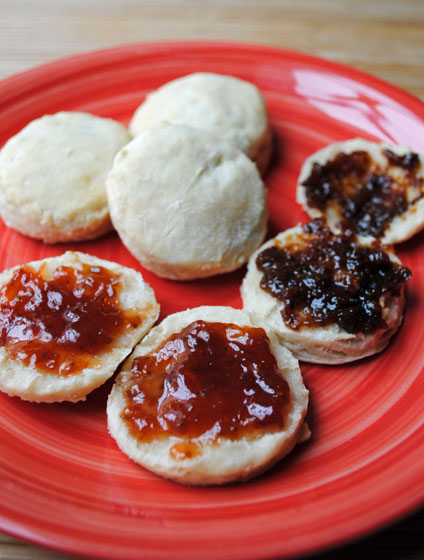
(55, 316)
(186, 205)
(230, 108)
(221, 460)
(53, 173)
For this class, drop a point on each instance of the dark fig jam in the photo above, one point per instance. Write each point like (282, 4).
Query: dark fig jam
(409, 161)
(368, 196)
(325, 279)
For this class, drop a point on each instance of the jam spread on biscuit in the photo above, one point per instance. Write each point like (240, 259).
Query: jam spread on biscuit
(367, 195)
(325, 279)
(210, 380)
(59, 325)
(409, 161)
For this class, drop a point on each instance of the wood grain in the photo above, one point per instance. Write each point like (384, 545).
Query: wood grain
(381, 37)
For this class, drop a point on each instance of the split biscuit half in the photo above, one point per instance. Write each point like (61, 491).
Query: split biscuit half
(371, 188)
(67, 322)
(329, 298)
(191, 404)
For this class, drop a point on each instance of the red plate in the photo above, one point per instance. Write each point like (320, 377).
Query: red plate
(64, 483)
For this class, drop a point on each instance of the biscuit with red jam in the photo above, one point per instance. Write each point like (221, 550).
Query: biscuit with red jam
(208, 397)
(66, 323)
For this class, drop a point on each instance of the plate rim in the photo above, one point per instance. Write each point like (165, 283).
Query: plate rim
(63, 67)
(90, 57)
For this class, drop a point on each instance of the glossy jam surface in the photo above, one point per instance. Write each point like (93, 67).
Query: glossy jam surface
(368, 196)
(325, 279)
(210, 380)
(59, 325)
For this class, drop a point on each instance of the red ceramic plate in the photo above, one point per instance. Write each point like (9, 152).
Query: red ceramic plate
(64, 483)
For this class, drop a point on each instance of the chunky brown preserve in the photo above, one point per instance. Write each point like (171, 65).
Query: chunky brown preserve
(59, 325)
(368, 196)
(409, 161)
(325, 279)
(210, 380)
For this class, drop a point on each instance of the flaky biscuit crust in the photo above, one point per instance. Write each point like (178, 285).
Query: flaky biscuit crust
(186, 205)
(53, 174)
(230, 108)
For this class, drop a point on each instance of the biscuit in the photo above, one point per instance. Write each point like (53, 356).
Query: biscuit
(372, 188)
(186, 205)
(66, 323)
(328, 298)
(53, 173)
(200, 427)
(230, 108)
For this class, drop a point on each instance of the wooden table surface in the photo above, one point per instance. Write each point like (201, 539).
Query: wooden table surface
(382, 37)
